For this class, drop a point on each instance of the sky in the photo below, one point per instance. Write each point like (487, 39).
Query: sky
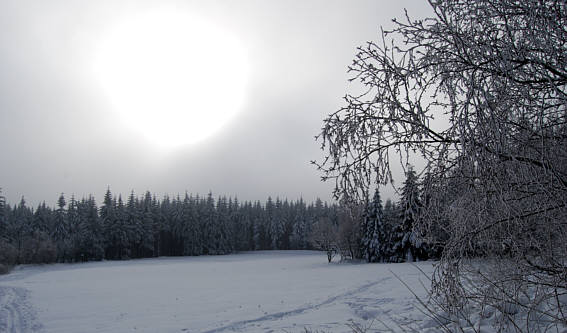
(62, 133)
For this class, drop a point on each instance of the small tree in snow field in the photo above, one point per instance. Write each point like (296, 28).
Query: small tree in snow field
(324, 237)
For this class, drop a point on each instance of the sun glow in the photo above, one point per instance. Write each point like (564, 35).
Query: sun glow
(175, 78)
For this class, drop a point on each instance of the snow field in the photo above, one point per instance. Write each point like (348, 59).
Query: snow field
(272, 291)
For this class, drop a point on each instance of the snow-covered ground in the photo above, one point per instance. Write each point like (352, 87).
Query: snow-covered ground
(273, 291)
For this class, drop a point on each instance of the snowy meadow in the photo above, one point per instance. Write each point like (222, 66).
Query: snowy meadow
(445, 162)
(266, 291)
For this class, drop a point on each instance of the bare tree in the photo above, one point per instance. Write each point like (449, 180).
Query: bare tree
(349, 235)
(479, 92)
(324, 237)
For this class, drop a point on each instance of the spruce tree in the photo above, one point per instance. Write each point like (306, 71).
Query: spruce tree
(110, 231)
(2, 216)
(408, 244)
(42, 219)
(76, 231)
(92, 245)
(60, 231)
(210, 224)
(186, 228)
(298, 237)
(221, 237)
(124, 232)
(147, 227)
(374, 233)
(134, 225)
(277, 225)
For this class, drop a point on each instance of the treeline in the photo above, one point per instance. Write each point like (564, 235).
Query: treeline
(140, 227)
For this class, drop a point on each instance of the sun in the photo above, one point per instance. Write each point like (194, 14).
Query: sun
(173, 77)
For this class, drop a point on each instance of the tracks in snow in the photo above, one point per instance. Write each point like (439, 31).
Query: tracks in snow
(308, 307)
(16, 314)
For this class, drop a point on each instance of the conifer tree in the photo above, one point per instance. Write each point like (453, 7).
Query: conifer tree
(134, 225)
(221, 240)
(374, 233)
(188, 229)
(60, 231)
(124, 231)
(157, 225)
(109, 221)
(2, 216)
(91, 244)
(276, 224)
(76, 232)
(42, 219)
(298, 237)
(146, 227)
(209, 224)
(408, 245)
(261, 238)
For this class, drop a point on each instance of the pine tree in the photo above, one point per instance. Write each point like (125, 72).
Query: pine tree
(167, 241)
(209, 224)
(221, 239)
(374, 231)
(158, 225)
(91, 243)
(76, 230)
(19, 227)
(250, 229)
(261, 237)
(3, 227)
(238, 226)
(408, 245)
(298, 237)
(146, 227)
(287, 218)
(392, 225)
(276, 224)
(42, 219)
(270, 224)
(110, 230)
(60, 231)
(134, 224)
(124, 231)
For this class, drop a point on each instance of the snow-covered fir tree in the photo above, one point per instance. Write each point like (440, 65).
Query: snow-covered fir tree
(277, 224)
(407, 243)
(109, 220)
(60, 229)
(3, 222)
(221, 239)
(146, 211)
(186, 226)
(91, 245)
(298, 236)
(2, 212)
(124, 230)
(374, 234)
(75, 230)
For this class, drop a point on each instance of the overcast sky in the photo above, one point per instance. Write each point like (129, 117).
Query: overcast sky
(59, 133)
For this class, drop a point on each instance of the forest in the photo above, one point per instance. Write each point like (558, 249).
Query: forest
(141, 227)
